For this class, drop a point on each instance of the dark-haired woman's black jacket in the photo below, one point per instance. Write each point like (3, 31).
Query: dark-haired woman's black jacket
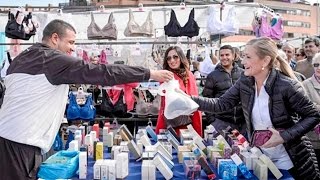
(287, 97)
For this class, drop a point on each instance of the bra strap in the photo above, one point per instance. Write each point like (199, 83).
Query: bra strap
(131, 18)
(149, 18)
(173, 16)
(111, 19)
(191, 15)
(92, 17)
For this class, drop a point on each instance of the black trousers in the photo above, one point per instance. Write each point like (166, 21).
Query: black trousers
(18, 161)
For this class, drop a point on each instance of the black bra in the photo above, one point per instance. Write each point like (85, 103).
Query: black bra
(174, 29)
(109, 109)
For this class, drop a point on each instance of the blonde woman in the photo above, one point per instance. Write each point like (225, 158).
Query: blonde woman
(269, 97)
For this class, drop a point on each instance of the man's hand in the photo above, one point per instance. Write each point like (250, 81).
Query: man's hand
(275, 139)
(161, 75)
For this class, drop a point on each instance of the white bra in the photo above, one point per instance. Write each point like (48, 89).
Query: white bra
(228, 26)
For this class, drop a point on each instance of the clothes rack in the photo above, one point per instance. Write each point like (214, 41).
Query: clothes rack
(122, 43)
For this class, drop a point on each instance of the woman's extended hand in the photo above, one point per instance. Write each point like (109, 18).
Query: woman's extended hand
(275, 139)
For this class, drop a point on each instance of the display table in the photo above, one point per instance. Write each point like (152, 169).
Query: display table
(178, 171)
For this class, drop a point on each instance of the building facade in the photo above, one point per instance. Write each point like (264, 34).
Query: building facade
(299, 20)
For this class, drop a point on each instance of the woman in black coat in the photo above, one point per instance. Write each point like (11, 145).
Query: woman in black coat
(269, 98)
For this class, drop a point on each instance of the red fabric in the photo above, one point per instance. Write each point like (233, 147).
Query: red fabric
(128, 94)
(191, 89)
(85, 57)
(103, 58)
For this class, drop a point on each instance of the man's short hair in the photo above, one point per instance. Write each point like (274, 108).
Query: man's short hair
(228, 47)
(56, 26)
(315, 40)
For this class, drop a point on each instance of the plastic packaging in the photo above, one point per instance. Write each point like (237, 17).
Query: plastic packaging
(177, 104)
(62, 165)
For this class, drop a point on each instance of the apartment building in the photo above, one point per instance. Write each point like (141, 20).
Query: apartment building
(299, 20)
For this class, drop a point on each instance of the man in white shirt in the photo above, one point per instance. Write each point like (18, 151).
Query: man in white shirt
(36, 96)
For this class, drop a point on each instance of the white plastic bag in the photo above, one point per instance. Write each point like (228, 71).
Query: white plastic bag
(177, 104)
(206, 66)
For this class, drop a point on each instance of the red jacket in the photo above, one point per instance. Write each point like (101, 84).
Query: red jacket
(191, 89)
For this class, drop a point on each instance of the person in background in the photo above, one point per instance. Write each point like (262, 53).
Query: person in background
(269, 98)
(237, 58)
(36, 95)
(226, 73)
(197, 75)
(300, 55)
(176, 62)
(283, 55)
(289, 50)
(311, 47)
(312, 87)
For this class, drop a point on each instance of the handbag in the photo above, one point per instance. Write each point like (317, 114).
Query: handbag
(18, 27)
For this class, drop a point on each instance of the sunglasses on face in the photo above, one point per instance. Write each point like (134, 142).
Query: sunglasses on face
(175, 57)
(316, 65)
(298, 54)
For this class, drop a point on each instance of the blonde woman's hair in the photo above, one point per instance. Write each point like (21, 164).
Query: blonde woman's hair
(316, 58)
(265, 46)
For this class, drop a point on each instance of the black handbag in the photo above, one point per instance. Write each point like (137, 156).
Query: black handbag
(14, 30)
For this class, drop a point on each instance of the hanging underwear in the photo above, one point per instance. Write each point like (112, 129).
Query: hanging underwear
(174, 29)
(109, 31)
(74, 111)
(265, 29)
(109, 109)
(227, 27)
(133, 29)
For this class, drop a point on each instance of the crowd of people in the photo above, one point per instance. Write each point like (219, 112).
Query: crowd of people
(263, 88)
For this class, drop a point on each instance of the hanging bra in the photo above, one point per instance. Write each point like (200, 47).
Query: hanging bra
(277, 30)
(228, 26)
(109, 31)
(133, 29)
(119, 109)
(74, 111)
(145, 108)
(266, 30)
(155, 107)
(174, 29)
